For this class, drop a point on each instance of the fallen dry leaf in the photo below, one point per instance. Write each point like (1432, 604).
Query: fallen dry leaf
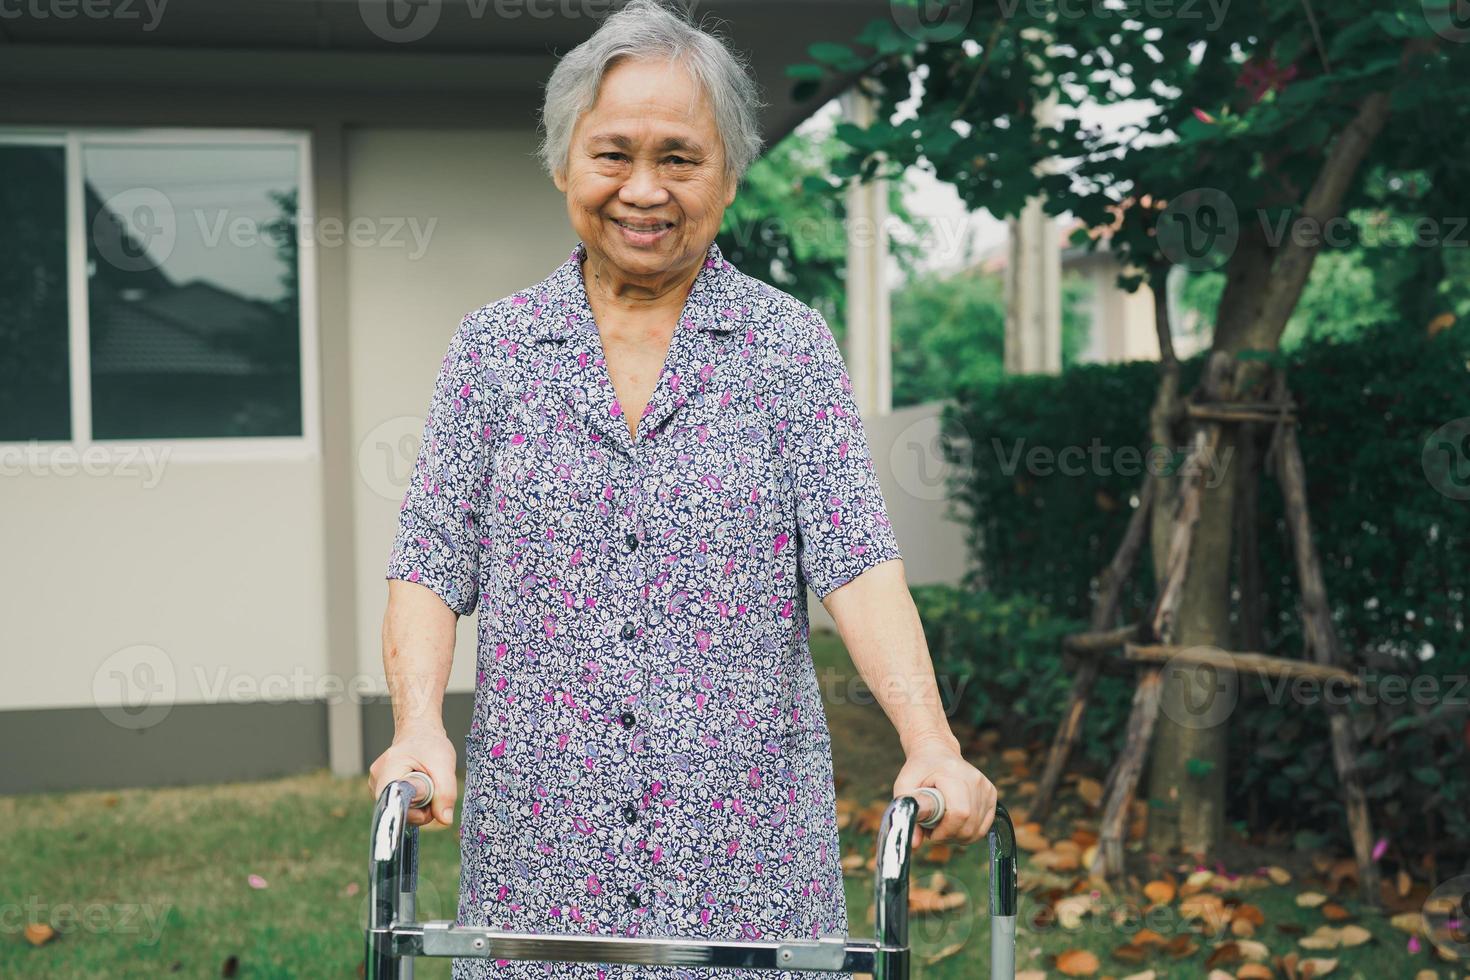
(1159, 892)
(1249, 913)
(39, 933)
(1324, 937)
(1342, 871)
(1410, 922)
(1200, 879)
(1225, 954)
(1030, 838)
(1130, 953)
(1181, 947)
(1077, 963)
(1310, 900)
(1091, 792)
(1070, 910)
(1317, 968)
(931, 958)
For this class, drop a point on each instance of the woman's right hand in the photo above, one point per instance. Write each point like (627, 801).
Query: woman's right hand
(425, 750)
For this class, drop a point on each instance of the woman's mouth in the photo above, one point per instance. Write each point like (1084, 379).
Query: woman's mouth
(643, 233)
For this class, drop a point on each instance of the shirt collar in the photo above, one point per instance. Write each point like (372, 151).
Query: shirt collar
(562, 309)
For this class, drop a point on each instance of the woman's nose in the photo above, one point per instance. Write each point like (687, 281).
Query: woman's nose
(643, 188)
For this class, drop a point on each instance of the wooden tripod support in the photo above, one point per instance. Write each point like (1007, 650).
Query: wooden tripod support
(1150, 645)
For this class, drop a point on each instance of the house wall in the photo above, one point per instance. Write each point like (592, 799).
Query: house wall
(255, 585)
(1122, 322)
(499, 225)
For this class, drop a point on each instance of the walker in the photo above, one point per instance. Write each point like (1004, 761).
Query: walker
(394, 938)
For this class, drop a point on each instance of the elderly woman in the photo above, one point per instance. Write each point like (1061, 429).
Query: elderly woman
(634, 469)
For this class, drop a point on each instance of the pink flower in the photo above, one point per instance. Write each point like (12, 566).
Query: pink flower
(256, 881)
(1204, 116)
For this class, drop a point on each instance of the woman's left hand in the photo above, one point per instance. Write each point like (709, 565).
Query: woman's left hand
(969, 797)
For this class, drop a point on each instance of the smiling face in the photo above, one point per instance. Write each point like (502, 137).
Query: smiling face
(645, 183)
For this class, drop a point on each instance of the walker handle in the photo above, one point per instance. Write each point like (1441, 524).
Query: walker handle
(424, 795)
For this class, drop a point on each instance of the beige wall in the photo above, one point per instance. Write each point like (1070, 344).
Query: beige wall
(217, 566)
(913, 472)
(499, 225)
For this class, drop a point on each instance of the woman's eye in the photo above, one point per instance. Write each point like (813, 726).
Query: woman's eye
(609, 154)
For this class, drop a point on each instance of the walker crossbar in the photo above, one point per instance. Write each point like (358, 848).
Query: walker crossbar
(395, 939)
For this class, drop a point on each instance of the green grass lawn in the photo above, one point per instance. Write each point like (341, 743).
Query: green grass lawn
(155, 883)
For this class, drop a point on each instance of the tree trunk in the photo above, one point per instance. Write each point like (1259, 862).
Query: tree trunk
(1262, 288)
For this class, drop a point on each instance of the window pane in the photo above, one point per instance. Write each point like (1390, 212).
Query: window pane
(35, 392)
(193, 291)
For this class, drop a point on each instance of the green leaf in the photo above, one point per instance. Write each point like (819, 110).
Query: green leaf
(1428, 775)
(1404, 724)
(806, 72)
(839, 56)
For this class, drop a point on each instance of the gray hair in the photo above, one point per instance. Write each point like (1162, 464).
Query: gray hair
(649, 29)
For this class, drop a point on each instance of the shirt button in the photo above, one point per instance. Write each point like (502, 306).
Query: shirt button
(629, 630)
(630, 813)
(631, 540)
(627, 719)
(634, 899)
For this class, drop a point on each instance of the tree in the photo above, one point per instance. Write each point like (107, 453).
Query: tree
(787, 224)
(1271, 121)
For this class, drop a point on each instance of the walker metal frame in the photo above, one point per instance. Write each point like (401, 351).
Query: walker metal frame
(394, 938)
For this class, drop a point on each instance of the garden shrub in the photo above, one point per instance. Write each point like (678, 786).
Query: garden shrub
(1394, 544)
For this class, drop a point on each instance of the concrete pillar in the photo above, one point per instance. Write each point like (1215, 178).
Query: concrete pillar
(1033, 340)
(868, 352)
(339, 464)
(1033, 343)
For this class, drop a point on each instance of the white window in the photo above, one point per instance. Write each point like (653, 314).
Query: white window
(154, 290)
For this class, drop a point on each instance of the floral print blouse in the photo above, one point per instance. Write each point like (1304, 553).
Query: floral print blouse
(648, 754)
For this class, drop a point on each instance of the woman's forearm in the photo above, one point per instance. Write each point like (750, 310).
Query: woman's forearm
(418, 651)
(879, 625)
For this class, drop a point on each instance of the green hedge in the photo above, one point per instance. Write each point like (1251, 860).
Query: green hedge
(997, 657)
(1395, 550)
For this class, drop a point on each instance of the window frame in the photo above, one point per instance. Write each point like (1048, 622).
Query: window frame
(73, 139)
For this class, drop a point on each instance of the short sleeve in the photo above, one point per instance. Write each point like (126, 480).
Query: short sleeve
(437, 543)
(841, 517)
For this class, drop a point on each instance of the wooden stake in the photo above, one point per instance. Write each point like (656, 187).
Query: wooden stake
(1104, 609)
(1323, 641)
(1259, 664)
(1124, 778)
